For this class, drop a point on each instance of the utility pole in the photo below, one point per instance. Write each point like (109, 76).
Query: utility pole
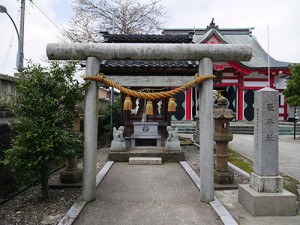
(296, 118)
(21, 46)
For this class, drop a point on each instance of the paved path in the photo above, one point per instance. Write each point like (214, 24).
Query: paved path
(289, 152)
(147, 195)
(229, 199)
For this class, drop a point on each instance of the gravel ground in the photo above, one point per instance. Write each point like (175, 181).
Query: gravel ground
(26, 208)
(192, 156)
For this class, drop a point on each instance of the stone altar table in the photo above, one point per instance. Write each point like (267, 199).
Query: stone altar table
(145, 131)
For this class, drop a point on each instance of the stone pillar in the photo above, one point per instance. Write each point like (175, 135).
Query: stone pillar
(206, 132)
(222, 136)
(265, 164)
(265, 195)
(90, 132)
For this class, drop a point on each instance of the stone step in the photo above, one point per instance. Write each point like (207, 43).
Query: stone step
(165, 155)
(145, 161)
(283, 130)
(189, 127)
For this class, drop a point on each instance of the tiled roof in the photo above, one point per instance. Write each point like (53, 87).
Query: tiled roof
(146, 64)
(258, 61)
(108, 66)
(148, 38)
(149, 67)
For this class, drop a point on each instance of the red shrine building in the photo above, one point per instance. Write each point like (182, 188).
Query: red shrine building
(237, 81)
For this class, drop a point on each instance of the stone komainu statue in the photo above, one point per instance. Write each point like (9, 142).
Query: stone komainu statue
(118, 134)
(173, 134)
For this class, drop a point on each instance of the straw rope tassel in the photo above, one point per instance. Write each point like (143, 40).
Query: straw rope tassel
(172, 105)
(127, 104)
(149, 108)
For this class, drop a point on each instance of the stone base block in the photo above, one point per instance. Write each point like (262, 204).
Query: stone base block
(145, 161)
(196, 137)
(167, 156)
(118, 146)
(271, 184)
(223, 177)
(172, 145)
(267, 204)
(70, 177)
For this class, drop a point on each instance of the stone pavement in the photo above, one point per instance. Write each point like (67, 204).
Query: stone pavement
(229, 198)
(289, 152)
(147, 194)
(160, 194)
(165, 194)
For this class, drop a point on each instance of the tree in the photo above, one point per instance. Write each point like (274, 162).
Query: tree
(93, 16)
(292, 91)
(115, 111)
(44, 108)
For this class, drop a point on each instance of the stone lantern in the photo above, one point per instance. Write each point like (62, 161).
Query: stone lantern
(72, 174)
(222, 116)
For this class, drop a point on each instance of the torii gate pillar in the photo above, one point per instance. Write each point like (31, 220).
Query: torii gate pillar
(206, 128)
(90, 133)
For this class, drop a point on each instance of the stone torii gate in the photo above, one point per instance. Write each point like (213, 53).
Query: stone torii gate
(205, 53)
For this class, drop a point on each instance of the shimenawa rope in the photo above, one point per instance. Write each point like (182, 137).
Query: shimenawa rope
(150, 96)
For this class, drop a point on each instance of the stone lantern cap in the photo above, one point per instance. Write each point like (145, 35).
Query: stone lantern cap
(222, 112)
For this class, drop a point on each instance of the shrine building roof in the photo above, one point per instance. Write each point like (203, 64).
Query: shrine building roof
(212, 34)
(149, 38)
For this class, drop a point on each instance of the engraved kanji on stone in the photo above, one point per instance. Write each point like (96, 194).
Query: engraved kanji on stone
(270, 107)
(270, 137)
(270, 121)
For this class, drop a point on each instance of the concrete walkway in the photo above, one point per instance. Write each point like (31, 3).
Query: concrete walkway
(229, 198)
(289, 152)
(147, 194)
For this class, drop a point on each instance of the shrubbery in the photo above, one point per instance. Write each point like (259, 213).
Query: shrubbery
(44, 106)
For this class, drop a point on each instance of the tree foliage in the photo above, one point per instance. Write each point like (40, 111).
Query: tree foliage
(292, 91)
(93, 16)
(105, 130)
(44, 107)
(114, 111)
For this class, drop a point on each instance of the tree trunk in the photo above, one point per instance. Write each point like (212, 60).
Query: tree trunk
(45, 185)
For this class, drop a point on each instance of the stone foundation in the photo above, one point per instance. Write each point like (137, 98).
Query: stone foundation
(70, 177)
(267, 204)
(269, 184)
(118, 146)
(225, 177)
(167, 156)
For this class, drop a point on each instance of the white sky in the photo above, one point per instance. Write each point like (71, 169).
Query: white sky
(283, 18)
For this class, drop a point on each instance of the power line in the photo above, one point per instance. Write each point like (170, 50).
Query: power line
(46, 16)
(31, 11)
(8, 51)
(39, 21)
(49, 29)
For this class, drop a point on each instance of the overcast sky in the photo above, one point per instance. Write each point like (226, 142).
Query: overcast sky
(45, 18)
